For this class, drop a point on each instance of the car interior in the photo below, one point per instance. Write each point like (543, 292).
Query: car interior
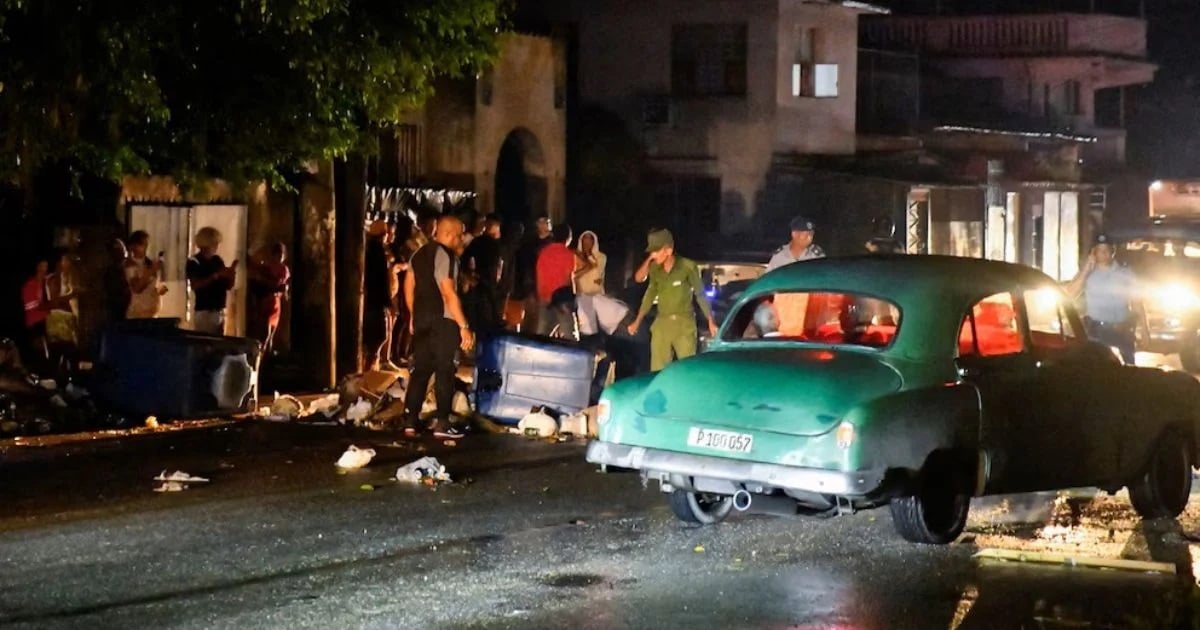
(832, 318)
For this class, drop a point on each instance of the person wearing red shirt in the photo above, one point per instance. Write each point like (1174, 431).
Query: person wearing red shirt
(555, 268)
(35, 295)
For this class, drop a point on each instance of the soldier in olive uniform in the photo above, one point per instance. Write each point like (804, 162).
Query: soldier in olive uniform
(675, 283)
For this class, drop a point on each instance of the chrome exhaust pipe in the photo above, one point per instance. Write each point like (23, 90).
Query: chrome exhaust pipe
(742, 500)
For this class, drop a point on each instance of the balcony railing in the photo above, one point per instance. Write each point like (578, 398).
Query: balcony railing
(1005, 35)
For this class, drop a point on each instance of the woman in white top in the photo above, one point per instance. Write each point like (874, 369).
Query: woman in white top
(142, 274)
(589, 265)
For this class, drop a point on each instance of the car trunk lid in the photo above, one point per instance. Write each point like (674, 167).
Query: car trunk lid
(793, 391)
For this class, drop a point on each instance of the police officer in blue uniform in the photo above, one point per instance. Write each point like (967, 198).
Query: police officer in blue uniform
(1112, 305)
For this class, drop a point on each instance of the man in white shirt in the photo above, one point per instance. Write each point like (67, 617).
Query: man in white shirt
(800, 248)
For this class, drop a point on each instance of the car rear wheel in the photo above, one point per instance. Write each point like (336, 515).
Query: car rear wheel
(699, 508)
(1163, 490)
(936, 512)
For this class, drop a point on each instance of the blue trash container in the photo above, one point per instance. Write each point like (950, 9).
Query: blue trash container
(515, 374)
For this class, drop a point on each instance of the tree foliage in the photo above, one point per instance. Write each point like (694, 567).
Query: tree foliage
(240, 89)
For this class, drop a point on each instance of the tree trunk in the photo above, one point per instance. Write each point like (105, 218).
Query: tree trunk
(351, 177)
(314, 299)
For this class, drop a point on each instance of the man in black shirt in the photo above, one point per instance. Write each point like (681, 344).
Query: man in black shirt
(483, 265)
(439, 326)
(211, 281)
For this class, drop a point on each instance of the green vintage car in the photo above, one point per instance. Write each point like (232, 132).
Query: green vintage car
(915, 382)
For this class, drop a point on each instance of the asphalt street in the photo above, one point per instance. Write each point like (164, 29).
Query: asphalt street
(528, 536)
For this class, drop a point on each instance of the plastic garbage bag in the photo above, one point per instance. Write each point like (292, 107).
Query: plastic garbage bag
(355, 457)
(286, 406)
(179, 477)
(327, 406)
(176, 482)
(232, 381)
(397, 391)
(539, 422)
(575, 424)
(359, 411)
(426, 468)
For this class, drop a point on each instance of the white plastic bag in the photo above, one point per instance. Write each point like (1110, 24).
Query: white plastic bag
(355, 457)
(576, 424)
(326, 406)
(422, 468)
(359, 411)
(539, 421)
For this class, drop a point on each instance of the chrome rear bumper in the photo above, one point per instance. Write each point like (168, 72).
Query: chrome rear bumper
(660, 463)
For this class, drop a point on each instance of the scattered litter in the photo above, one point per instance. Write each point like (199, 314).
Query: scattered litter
(327, 406)
(427, 470)
(180, 477)
(538, 424)
(575, 424)
(366, 487)
(450, 443)
(151, 422)
(48, 384)
(286, 406)
(698, 549)
(359, 411)
(396, 392)
(355, 457)
(58, 401)
(176, 482)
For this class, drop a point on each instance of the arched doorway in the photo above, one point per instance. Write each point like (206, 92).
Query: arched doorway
(520, 178)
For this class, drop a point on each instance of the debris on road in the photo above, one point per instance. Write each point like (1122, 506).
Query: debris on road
(177, 481)
(355, 458)
(359, 411)
(327, 406)
(285, 406)
(427, 470)
(538, 424)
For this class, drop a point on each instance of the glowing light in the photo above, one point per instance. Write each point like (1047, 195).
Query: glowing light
(845, 435)
(603, 411)
(1156, 185)
(1177, 298)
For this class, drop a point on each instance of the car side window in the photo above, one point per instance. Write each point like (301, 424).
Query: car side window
(990, 328)
(1049, 326)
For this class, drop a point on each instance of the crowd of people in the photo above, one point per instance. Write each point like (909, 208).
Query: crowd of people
(431, 287)
(60, 293)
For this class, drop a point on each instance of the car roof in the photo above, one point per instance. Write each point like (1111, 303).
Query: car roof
(933, 292)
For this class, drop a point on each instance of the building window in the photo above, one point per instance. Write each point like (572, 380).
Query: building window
(708, 60)
(811, 75)
(1071, 92)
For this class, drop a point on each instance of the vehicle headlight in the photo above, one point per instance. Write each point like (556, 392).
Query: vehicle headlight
(845, 435)
(1177, 298)
(603, 411)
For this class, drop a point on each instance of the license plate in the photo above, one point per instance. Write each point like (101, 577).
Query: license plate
(720, 440)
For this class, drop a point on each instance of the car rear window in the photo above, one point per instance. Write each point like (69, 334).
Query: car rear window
(833, 318)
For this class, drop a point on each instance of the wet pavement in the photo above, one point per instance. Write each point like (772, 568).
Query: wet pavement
(528, 537)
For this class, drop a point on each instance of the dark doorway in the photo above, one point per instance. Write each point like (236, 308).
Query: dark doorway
(520, 180)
